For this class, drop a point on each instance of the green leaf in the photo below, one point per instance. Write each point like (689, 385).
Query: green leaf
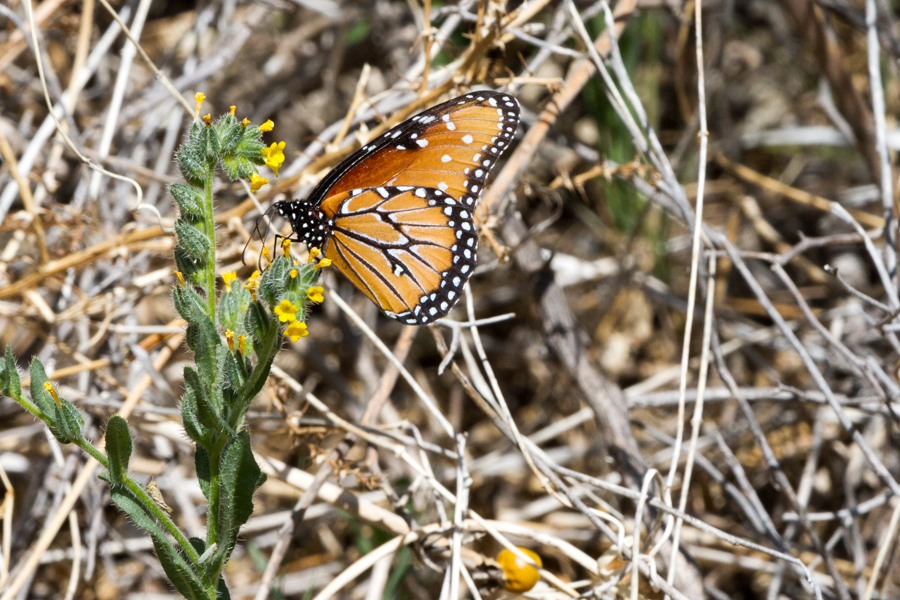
(230, 133)
(189, 304)
(237, 167)
(204, 472)
(260, 324)
(192, 167)
(232, 306)
(207, 409)
(192, 240)
(272, 283)
(222, 592)
(208, 144)
(69, 422)
(178, 569)
(10, 383)
(189, 266)
(251, 151)
(239, 478)
(188, 198)
(118, 448)
(38, 394)
(192, 425)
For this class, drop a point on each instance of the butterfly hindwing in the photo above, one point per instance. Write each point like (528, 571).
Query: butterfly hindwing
(409, 249)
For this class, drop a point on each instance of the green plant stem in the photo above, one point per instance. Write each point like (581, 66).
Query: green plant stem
(145, 499)
(260, 372)
(32, 408)
(209, 226)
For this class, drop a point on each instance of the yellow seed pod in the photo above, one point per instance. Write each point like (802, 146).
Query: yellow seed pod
(520, 576)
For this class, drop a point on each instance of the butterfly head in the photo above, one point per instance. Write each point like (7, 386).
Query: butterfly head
(308, 222)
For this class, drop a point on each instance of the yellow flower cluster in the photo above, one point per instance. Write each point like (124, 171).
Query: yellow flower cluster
(287, 313)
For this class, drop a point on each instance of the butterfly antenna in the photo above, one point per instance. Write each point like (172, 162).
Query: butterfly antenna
(256, 230)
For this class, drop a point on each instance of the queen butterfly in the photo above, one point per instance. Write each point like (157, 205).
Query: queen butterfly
(396, 216)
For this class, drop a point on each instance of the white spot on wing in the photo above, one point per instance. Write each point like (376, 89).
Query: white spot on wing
(468, 139)
(446, 158)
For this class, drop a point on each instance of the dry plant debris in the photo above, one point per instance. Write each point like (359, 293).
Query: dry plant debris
(681, 341)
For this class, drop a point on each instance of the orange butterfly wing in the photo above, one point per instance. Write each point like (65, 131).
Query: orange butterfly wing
(451, 146)
(396, 216)
(409, 249)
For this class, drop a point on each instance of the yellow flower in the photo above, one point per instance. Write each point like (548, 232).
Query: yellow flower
(286, 311)
(231, 110)
(208, 120)
(286, 246)
(313, 253)
(228, 278)
(241, 339)
(199, 97)
(245, 122)
(48, 387)
(296, 330)
(257, 182)
(265, 253)
(252, 284)
(325, 262)
(293, 273)
(229, 337)
(180, 278)
(315, 293)
(267, 126)
(274, 156)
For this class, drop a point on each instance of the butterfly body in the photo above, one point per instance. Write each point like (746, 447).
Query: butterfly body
(396, 217)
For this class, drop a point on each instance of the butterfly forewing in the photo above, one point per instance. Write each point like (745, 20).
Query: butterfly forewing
(396, 216)
(451, 146)
(409, 249)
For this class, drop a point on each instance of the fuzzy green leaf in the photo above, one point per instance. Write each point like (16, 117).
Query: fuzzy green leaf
(232, 306)
(118, 448)
(222, 592)
(250, 150)
(178, 569)
(10, 383)
(208, 144)
(188, 198)
(207, 409)
(189, 417)
(204, 472)
(230, 133)
(69, 422)
(192, 240)
(189, 266)
(237, 167)
(189, 304)
(239, 478)
(260, 324)
(192, 166)
(272, 283)
(38, 394)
